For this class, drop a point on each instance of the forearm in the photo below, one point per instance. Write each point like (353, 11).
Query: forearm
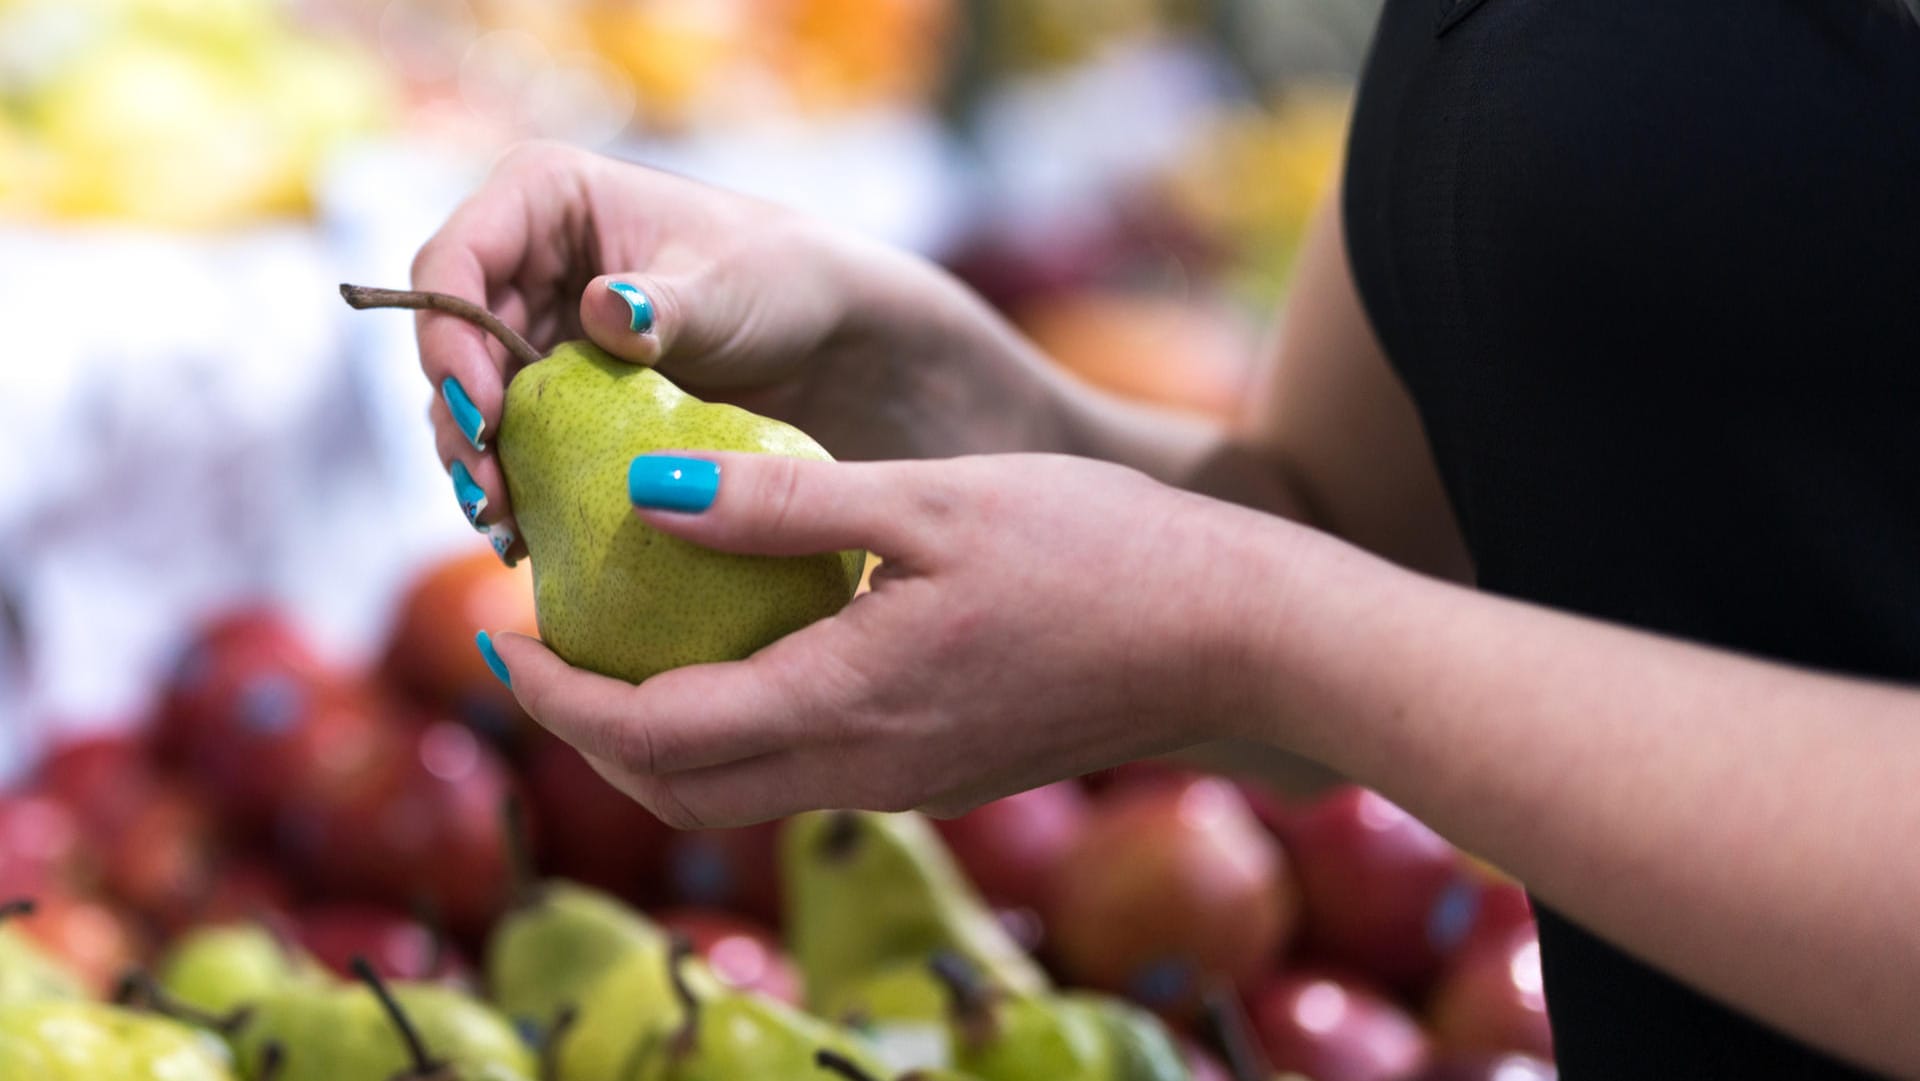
(1742, 825)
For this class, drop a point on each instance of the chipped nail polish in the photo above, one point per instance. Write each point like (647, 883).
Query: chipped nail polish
(473, 498)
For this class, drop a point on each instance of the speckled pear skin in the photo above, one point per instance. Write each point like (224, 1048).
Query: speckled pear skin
(613, 594)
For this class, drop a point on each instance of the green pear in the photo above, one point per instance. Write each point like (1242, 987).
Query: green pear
(726, 1035)
(217, 970)
(901, 1011)
(1143, 1048)
(91, 1041)
(27, 972)
(837, 1066)
(550, 950)
(334, 1033)
(867, 892)
(1036, 1038)
(613, 594)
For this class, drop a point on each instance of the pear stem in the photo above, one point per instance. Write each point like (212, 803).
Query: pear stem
(971, 998)
(138, 988)
(834, 1062)
(363, 297)
(562, 1025)
(1234, 1034)
(424, 1065)
(273, 1060)
(841, 838)
(685, 1039)
(23, 906)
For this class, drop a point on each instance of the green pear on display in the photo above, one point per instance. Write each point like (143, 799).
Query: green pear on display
(999, 1036)
(866, 892)
(218, 970)
(836, 1066)
(556, 945)
(901, 1011)
(92, 1041)
(1143, 1048)
(409, 1032)
(726, 1035)
(27, 972)
(613, 594)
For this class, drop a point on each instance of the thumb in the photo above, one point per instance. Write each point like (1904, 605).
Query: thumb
(765, 504)
(636, 317)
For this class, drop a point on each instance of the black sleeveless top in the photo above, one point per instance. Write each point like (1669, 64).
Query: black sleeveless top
(1651, 271)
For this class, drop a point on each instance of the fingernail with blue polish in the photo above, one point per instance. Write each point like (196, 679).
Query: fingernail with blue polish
(639, 308)
(473, 498)
(664, 482)
(492, 656)
(472, 424)
(500, 535)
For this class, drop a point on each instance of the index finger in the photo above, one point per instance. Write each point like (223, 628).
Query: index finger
(482, 247)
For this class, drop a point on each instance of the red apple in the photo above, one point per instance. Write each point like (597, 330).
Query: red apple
(162, 860)
(426, 829)
(1333, 1030)
(1009, 847)
(95, 938)
(1503, 912)
(1459, 1066)
(732, 869)
(249, 659)
(243, 891)
(398, 946)
(742, 953)
(103, 778)
(1145, 773)
(1169, 887)
(41, 846)
(591, 831)
(430, 651)
(265, 726)
(1492, 998)
(1383, 893)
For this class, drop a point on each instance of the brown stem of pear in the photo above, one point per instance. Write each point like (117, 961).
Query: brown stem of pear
(137, 988)
(834, 1062)
(20, 906)
(363, 297)
(557, 1032)
(970, 998)
(273, 1059)
(1233, 1033)
(527, 890)
(424, 1064)
(688, 1035)
(841, 838)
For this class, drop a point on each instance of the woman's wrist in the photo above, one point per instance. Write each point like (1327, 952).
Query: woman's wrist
(973, 383)
(1304, 615)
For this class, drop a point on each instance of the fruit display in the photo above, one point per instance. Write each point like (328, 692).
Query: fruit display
(475, 903)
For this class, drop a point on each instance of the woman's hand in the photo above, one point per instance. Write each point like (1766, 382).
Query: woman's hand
(873, 352)
(1036, 617)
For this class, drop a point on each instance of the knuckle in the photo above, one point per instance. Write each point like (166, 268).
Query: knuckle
(637, 748)
(780, 492)
(667, 805)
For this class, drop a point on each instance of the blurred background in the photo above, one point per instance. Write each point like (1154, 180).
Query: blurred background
(192, 421)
